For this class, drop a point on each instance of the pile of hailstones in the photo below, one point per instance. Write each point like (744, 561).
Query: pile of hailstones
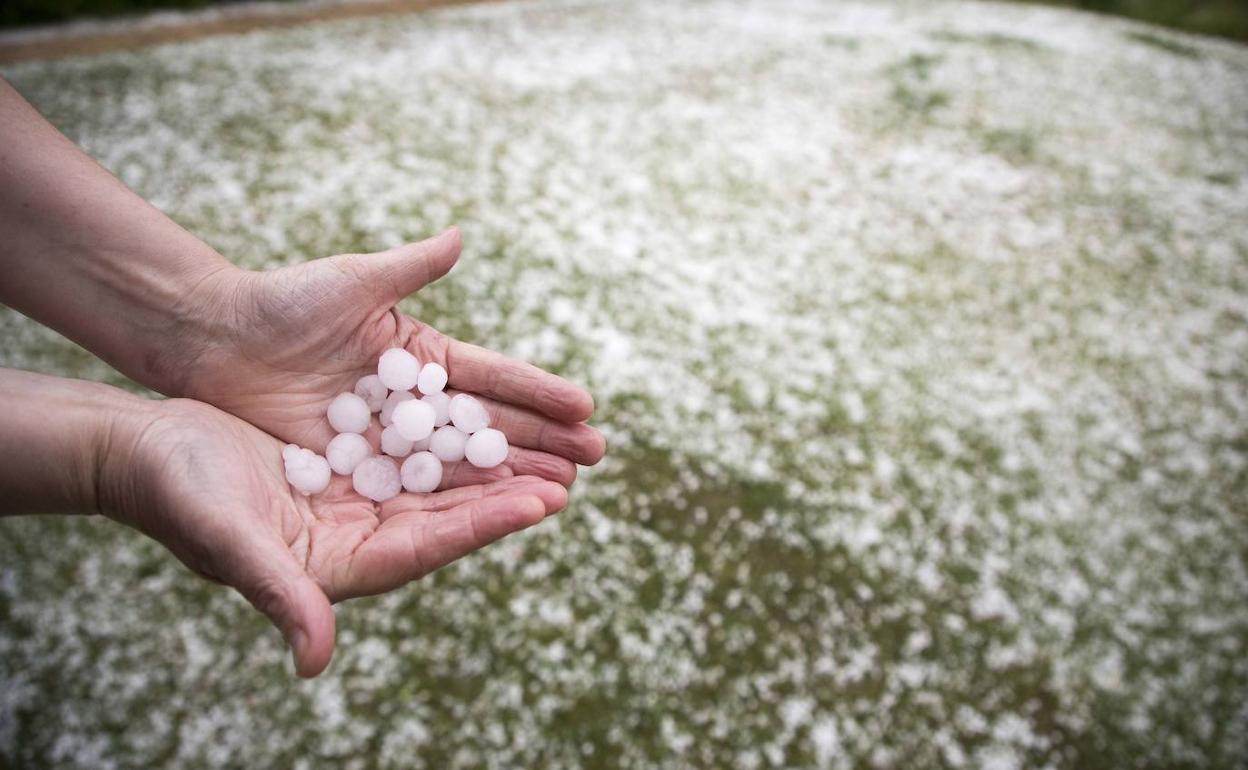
(427, 431)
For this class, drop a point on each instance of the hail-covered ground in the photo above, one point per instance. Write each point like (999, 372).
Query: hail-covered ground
(919, 332)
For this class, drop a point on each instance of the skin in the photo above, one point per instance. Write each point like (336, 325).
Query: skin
(210, 488)
(87, 256)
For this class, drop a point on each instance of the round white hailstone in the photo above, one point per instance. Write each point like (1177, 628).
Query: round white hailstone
(306, 471)
(348, 413)
(468, 414)
(345, 451)
(486, 448)
(371, 389)
(393, 444)
(398, 369)
(377, 478)
(414, 419)
(421, 473)
(447, 444)
(441, 404)
(393, 400)
(432, 379)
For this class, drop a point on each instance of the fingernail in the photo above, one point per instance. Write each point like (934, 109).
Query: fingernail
(297, 641)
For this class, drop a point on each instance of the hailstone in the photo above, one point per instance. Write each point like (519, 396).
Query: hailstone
(468, 414)
(432, 379)
(447, 443)
(371, 389)
(348, 413)
(393, 400)
(393, 444)
(306, 471)
(441, 404)
(398, 369)
(345, 451)
(414, 419)
(377, 478)
(486, 448)
(422, 472)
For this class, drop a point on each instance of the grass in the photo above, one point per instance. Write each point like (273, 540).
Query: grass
(923, 389)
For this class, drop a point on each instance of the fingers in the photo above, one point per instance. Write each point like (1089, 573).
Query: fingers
(396, 273)
(529, 462)
(493, 374)
(462, 474)
(268, 577)
(450, 498)
(576, 441)
(519, 462)
(410, 545)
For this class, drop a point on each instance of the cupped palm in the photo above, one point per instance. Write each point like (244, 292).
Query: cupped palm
(297, 336)
(215, 494)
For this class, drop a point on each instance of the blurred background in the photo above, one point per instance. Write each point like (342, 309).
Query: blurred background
(918, 330)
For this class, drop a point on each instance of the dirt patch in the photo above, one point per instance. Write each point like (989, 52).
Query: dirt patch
(92, 38)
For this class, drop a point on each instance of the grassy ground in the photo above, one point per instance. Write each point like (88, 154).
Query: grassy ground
(1224, 18)
(918, 331)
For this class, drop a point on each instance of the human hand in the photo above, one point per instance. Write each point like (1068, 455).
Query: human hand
(211, 489)
(291, 339)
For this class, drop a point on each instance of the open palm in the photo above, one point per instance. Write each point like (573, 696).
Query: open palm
(216, 496)
(297, 336)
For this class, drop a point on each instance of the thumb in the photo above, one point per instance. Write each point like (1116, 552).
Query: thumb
(277, 587)
(404, 269)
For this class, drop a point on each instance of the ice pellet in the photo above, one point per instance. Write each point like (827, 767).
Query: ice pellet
(486, 448)
(441, 404)
(393, 443)
(447, 444)
(371, 389)
(306, 471)
(398, 369)
(421, 473)
(348, 413)
(345, 451)
(393, 400)
(468, 414)
(432, 379)
(377, 478)
(414, 419)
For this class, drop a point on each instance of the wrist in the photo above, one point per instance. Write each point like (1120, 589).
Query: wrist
(116, 460)
(199, 318)
(56, 435)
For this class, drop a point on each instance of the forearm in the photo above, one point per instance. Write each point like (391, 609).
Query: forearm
(55, 434)
(85, 255)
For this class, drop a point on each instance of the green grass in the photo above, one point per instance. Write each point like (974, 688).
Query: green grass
(1220, 18)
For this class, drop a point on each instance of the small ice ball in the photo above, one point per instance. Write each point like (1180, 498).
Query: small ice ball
(345, 451)
(421, 472)
(306, 471)
(447, 444)
(377, 478)
(393, 443)
(398, 369)
(468, 414)
(414, 419)
(393, 400)
(441, 404)
(486, 448)
(348, 413)
(432, 379)
(371, 389)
